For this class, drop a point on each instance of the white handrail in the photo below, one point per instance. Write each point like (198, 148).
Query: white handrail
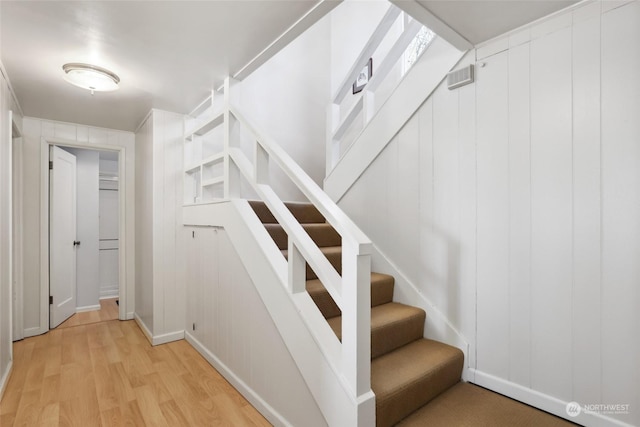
(352, 290)
(319, 263)
(327, 207)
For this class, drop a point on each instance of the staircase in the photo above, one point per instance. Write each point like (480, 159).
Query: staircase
(407, 370)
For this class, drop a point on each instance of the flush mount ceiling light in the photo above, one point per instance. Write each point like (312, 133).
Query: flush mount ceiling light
(90, 77)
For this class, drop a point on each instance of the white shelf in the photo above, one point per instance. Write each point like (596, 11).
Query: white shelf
(213, 181)
(213, 159)
(204, 152)
(192, 168)
(204, 125)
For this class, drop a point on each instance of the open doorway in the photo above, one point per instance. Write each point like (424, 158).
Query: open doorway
(84, 234)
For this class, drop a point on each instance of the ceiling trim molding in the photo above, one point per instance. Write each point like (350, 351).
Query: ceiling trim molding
(301, 25)
(5, 76)
(434, 23)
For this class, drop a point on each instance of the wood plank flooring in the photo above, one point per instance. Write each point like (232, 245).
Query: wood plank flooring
(107, 374)
(108, 311)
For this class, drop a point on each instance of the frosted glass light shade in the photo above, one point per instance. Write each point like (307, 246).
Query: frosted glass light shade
(90, 77)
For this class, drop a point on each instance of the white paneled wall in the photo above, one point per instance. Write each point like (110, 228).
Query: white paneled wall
(159, 294)
(227, 321)
(513, 206)
(619, 297)
(6, 105)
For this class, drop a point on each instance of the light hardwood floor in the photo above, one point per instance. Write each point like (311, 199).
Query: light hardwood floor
(108, 311)
(107, 374)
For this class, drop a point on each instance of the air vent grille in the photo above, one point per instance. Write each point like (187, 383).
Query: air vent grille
(460, 77)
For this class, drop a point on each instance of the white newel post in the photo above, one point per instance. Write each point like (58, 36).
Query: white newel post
(231, 135)
(356, 317)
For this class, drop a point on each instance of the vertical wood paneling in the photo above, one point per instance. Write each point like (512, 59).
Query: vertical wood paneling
(587, 378)
(426, 225)
(6, 230)
(375, 199)
(446, 257)
(144, 212)
(621, 207)
(519, 216)
(558, 207)
(551, 193)
(407, 203)
(157, 189)
(493, 220)
(466, 302)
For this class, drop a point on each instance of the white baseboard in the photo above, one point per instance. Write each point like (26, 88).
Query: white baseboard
(157, 339)
(129, 316)
(87, 308)
(263, 407)
(165, 338)
(5, 379)
(542, 401)
(143, 326)
(109, 293)
(36, 330)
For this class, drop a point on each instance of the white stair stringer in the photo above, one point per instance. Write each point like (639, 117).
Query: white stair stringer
(419, 83)
(312, 344)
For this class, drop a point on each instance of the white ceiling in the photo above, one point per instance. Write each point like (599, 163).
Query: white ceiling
(168, 54)
(480, 20)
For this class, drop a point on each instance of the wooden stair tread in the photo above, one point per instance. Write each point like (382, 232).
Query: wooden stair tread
(332, 253)
(407, 370)
(411, 376)
(381, 293)
(466, 404)
(393, 325)
(304, 212)
(323, 234)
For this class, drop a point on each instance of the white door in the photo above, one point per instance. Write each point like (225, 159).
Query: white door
(62, 236)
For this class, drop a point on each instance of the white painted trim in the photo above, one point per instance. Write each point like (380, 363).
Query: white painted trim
(417, 85)
(169, 337)
(32, 332)
(5, 379)
(419, 12)
(17, 286)
(123, 265)
(542, 401)
(129, 316)
(143, 327)
(273, 416)
(88, 308)
(3, 71)
(112, 293)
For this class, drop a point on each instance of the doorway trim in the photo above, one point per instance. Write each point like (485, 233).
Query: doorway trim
(123, 259)
(17, 245)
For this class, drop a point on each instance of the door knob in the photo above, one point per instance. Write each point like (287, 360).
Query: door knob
(76, 243)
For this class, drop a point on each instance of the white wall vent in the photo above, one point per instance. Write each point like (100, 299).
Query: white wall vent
(460, 77)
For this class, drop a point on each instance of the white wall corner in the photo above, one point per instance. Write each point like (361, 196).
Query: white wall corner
(5, 379)
(166, 338)
(145, 330)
